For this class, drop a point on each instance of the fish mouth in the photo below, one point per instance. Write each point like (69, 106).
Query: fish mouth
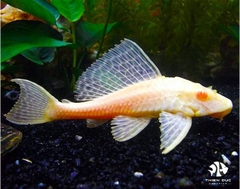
(227, 108)
(221, 115)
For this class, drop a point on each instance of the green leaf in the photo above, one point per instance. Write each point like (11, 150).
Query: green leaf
(39, 8)
(39, 55)
(21, 35)
(232, 30)
(70, 9)
(88, 33)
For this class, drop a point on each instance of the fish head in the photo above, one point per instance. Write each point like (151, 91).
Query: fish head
(207, 101)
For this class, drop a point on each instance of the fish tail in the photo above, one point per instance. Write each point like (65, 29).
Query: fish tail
(34, 105)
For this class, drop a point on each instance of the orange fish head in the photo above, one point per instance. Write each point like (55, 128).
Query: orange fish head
(212, 103)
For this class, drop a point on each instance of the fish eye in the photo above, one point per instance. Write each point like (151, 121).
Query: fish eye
(202, 95)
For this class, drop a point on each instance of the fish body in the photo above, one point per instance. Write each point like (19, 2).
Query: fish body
(125, 86)
(145, 99)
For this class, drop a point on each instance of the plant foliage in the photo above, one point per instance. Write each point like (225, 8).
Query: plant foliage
(180, 35)
(36, 40)
(181, 32)
(21, 35)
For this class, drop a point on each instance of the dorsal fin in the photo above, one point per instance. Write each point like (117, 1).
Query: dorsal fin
(121, 66)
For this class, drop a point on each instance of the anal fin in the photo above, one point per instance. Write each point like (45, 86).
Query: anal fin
(125, 127)
(174, 128)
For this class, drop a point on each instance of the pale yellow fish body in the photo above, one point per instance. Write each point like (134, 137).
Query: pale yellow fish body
(124, 85)
(148, 99)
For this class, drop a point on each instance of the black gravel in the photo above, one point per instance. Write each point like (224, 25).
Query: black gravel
(53, 155)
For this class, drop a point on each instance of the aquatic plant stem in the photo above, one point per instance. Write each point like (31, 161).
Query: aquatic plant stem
(105, 28)
(82, 56)
(74, 64)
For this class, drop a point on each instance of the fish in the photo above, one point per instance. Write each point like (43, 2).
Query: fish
(126, 87)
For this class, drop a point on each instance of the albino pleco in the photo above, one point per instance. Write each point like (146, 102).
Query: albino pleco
(126, 87)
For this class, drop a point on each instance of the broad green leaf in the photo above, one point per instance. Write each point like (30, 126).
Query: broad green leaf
(70, 9)
(21, 35)
(39, 55)
(39, 8)
(88, 33)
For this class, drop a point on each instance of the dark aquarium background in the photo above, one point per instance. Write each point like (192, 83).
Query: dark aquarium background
(52, 42)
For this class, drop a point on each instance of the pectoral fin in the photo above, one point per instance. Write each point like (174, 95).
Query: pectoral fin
(125, 128)
(174, 128)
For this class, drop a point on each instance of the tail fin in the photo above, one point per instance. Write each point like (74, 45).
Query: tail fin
(33, 104)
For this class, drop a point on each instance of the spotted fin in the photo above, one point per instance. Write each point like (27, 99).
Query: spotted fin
(123, 65)
(174, 128)
(125, 127)
(92, 123)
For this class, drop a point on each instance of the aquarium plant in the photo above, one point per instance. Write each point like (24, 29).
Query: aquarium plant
(178, 35)
(189, 38)
(39, 40)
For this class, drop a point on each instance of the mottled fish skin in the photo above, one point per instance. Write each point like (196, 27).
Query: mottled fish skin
(126, 87)
(10, 138)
